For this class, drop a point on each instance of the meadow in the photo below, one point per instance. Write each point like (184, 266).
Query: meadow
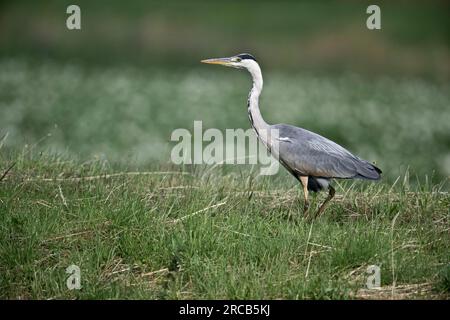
(98, 190)
(86, 177)
(197, 235)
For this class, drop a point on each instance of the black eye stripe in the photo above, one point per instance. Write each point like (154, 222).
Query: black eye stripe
(244, 56)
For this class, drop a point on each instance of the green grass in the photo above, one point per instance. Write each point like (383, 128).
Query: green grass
(250, 241)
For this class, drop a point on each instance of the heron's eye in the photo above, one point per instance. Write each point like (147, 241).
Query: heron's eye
(237, 59)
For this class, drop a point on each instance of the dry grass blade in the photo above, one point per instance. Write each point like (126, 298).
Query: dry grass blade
(108, 176)
(199, 211)
(62, 197)
(67, 236)
(233, 231)
(309, 263)
(392, 254)
(7, 170)
(152, 273)
(320, 245)
(406, 291)
(306, 249)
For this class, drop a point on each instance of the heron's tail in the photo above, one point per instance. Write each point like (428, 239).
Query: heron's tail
(368, 171)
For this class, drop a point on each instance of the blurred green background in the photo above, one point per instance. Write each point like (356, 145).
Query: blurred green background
(118, 87)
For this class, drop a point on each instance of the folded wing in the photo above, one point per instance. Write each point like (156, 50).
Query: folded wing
(306, 153)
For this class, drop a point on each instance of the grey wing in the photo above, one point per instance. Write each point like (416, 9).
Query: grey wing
(307, 153)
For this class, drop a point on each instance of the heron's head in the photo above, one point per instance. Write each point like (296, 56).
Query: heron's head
(243, 60)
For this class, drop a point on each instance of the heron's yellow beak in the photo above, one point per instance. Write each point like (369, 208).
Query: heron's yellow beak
(222, 61)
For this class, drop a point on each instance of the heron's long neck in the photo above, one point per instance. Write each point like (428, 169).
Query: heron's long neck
(254, 114)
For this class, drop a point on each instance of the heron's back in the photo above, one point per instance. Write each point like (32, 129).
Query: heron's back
(307, 153)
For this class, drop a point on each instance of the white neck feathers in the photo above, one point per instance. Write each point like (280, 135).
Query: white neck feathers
(256, 119)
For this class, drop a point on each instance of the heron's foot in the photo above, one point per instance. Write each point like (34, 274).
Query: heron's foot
(306, 206)
(320, 211)
(306, 209)
(331, 193)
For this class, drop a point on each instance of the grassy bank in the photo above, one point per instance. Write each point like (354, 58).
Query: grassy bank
(200, 234)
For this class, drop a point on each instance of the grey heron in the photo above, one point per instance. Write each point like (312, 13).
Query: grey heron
(312, 159)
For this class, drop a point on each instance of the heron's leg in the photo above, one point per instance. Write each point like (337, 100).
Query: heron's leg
(304, 181)
(331, 193)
